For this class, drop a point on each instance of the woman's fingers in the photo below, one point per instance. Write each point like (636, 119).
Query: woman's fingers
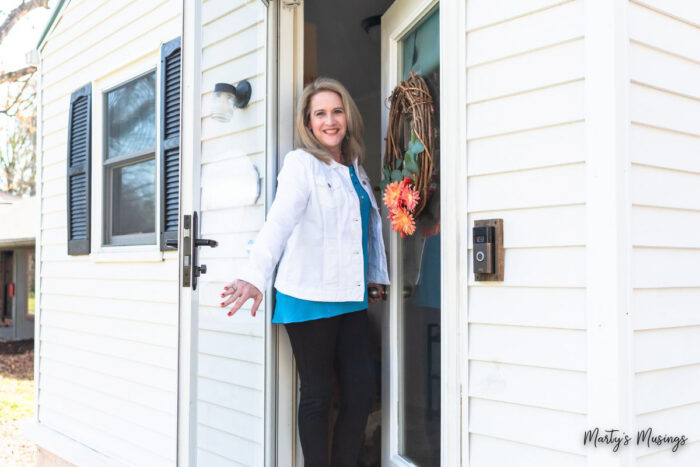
(239, 292)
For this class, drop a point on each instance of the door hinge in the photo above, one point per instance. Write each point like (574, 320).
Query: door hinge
(291, 3)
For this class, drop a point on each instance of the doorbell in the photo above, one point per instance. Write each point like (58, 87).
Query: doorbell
(487, 236)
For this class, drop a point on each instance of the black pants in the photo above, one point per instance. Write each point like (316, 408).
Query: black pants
(323, 347)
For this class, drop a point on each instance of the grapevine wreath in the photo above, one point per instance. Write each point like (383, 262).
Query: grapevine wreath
(407, 173)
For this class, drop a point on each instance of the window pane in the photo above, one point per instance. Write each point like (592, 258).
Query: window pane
(131, 117)
(134, 198)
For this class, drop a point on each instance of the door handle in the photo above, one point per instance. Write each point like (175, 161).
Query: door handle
(206, 242)
(191, 271)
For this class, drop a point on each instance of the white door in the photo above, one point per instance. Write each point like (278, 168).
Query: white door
(415, 410)
(222, 359)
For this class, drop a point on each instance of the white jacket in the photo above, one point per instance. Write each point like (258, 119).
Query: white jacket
(314, 224)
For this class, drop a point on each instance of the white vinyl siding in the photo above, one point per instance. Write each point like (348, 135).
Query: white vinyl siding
(665, 194)
(526, 165)
(107, 361)
(230, 380)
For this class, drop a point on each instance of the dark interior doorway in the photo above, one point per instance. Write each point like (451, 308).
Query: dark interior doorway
(6, 285)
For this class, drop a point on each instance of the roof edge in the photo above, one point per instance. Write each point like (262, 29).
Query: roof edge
(56, 11)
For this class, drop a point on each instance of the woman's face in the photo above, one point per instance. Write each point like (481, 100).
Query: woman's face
(327, 120)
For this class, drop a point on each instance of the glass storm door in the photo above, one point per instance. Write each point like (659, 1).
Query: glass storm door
(411, 374)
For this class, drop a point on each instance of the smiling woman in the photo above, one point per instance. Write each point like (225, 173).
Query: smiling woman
(326, 221)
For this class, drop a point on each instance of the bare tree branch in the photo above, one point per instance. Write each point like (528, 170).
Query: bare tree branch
(17, 74)
(17, 14)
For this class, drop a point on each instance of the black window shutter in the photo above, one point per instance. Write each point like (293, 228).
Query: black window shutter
(78, 175)
(170, 141)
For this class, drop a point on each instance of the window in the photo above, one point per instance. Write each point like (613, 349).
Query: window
(130, 165)
(31, 294)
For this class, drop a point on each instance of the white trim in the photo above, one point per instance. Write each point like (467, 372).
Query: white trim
(454, 365)
(271, 155)
(608, 226)
(67, 448)
(37, 247)
(290, 60)
(190, 156)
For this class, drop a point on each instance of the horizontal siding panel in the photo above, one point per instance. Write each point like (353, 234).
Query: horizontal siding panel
(75, 21)
(663, 227)
(147, 272)
(487, 451)
(548, 348)
(528, 385)
(214, 318)
(120, 389)
(119, 405)
(665, 188)
(238, 219)
(541, 147)
(662, 389)
(124, 369)
(663, 32)
(664, 148)
(99, 437)
(211, 459)
(115, 426)
(125, 309)
(214, 9)
(146, 333)
(665, 267)
(551, 186)
(244, 67)
(238, 372)
(165, 291)
(231, 447)
(681, 9)
(237, 398)
(241, 42)
(663, 70)
(664, 110)
(133, 23)
(549, 106)
(540, 267)
(685, 456)
(238, 20)
(481, 13)
(231, 245)
(122, 348)
(533, 227)
(522, 306)
(666, 348)
(661, 308)
(525, 33)
(242, 425)
(246, 142)
(675, 421)
(534, 70)
(245, 348)
(528, 425)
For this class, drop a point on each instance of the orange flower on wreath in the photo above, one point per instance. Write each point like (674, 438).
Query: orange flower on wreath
(392, 195)
(402, 221)
(409, 195)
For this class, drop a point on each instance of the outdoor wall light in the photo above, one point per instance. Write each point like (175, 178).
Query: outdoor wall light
(226, 97)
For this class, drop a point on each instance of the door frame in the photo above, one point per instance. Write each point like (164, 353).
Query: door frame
(284, 89)
(396, 22)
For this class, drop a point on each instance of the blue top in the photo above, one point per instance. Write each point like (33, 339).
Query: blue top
(293, 310)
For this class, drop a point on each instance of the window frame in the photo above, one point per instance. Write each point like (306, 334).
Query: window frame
(108, 167)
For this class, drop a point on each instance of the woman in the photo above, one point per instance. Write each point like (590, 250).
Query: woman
(326, 227)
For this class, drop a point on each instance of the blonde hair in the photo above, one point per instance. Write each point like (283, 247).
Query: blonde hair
(353, 147)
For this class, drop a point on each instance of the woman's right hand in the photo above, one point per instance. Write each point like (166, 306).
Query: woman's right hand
(238, 292)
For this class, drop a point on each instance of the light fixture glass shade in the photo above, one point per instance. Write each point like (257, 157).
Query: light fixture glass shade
(221, 106)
